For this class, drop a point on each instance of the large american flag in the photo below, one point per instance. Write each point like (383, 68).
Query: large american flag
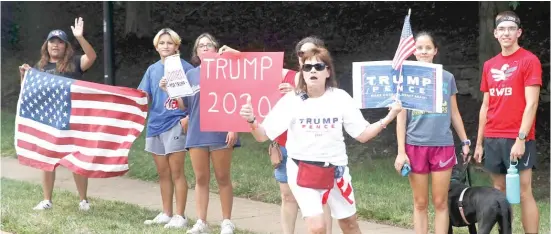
(86, 127)
(406, 46)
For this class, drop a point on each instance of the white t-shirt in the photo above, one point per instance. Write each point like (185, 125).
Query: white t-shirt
(315, 125)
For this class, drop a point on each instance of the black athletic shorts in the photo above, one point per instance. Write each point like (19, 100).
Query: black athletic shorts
(497, 154)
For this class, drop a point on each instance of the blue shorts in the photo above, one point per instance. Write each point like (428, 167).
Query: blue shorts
(280, 173)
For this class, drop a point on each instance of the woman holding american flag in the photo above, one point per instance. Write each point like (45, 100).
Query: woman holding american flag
(57, 57)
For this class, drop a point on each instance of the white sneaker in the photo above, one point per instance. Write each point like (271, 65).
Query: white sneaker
(84, 205)
(43, 205)
(227, 227)
(200, 227)
(177, 221)
(159, 219)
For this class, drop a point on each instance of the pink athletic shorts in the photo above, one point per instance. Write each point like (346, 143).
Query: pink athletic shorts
(426, 159)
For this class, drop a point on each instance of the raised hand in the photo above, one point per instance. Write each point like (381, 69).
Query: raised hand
(225, 49)
(247, 110)
(78, 28)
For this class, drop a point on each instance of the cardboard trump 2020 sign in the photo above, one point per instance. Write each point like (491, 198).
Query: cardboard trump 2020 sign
(227, 81)
(419, 86)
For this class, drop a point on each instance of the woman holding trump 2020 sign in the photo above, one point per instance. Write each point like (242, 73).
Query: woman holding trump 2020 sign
(205, 146)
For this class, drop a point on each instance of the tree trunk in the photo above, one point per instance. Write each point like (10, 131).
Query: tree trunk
(138, 19)
(488, 46)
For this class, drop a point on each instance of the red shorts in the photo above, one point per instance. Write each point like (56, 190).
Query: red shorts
(426, 159)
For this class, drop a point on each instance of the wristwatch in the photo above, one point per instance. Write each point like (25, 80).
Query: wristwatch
(466, 142)
(522, 136)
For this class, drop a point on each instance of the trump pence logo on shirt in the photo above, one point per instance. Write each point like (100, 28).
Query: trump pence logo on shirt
(318, 123)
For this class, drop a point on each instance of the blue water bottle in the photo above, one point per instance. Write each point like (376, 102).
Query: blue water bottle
(512, 180)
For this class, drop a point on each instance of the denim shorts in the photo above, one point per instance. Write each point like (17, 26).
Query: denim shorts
(211, 148)
(280, 173)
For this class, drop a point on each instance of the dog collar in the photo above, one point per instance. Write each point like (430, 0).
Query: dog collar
(461, 206)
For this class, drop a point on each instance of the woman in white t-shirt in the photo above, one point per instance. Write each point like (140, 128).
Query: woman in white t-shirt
(314, 117)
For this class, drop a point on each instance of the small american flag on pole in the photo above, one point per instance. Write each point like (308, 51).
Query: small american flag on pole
(288, 76)
(86, 127)
(406, 46)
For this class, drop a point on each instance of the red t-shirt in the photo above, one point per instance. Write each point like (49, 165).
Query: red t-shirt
(288, 77)
(505, 77)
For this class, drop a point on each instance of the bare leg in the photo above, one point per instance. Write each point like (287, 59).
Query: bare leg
(201, 168)
(48, 184)
(529, 209)
(289, 209)
(176, 162)
(419, 185)
(221, 163)
(316, 224)
(350, 225)
(440, 186)
(165, 182)
(82, 185)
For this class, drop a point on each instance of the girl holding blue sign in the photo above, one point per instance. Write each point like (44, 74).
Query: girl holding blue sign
(425, 143)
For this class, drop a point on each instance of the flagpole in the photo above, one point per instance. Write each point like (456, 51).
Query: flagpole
(400, 72)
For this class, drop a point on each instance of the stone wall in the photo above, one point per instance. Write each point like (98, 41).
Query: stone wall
(464, 76)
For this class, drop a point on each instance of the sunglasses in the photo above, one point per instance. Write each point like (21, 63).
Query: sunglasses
(317, 66)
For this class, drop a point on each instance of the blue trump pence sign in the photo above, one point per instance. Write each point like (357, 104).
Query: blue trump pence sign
(418, 85)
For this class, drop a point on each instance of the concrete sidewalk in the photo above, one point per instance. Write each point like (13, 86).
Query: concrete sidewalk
(249, 215)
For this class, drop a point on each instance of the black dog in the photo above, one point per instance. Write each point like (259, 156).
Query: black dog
(470, 205)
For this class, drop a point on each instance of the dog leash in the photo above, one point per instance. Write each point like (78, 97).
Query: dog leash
(469, 175)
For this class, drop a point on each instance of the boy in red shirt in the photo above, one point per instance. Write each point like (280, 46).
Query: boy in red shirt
(511, 84)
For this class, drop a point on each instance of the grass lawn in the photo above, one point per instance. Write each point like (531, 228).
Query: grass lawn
(104, 217)
(381, 194)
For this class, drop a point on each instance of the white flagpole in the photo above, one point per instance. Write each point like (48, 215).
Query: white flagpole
(400, 72)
